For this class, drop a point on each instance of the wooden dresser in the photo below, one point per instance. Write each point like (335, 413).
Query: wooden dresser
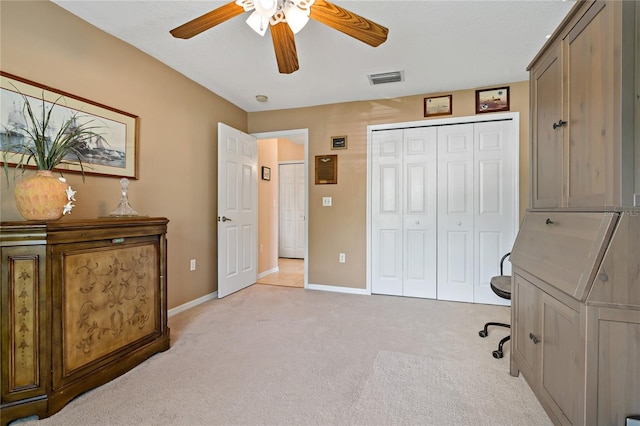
(575, 326)
(82, 302)
(575, 330)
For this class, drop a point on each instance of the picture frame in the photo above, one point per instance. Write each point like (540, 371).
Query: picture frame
(438, 105)
(266, 173)
(326, 169)
(114, 154)
(338, 142)
(492, 100)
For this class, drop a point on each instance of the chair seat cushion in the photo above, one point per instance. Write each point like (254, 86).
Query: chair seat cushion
(501, 285)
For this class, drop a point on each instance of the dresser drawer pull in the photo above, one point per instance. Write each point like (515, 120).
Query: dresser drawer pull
(535, 339)
(548, 221)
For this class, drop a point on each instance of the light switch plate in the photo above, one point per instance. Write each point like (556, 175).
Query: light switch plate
(326, 201)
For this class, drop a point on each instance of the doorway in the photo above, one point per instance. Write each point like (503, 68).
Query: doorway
(271, 266)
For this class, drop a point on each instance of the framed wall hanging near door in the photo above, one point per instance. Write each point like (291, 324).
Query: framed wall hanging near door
(326, 169)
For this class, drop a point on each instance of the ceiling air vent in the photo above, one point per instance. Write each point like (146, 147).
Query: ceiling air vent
(386, 77)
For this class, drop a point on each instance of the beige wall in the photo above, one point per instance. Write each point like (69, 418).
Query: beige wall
(178, 138)
(177, 122)
(342, 228)
(270, 153)
(290, 151)
(268, 206)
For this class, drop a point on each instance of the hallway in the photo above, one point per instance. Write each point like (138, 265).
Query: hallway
(290, 274)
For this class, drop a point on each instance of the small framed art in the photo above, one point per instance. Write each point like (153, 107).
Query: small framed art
(338, 142)
(326, 169)
(492, 100)
(438, 105)
(266, 173)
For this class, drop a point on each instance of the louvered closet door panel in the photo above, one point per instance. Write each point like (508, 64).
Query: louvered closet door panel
(494, 215)
(386, 211)
(455, 212)
(420, 211)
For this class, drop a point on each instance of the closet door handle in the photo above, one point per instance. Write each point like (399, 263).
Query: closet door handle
(535, 338)
(560, 123)
(548, 221)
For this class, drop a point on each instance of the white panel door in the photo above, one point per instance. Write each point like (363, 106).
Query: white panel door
(292, 218)
(237, 210)
(495, 204)
(455, 212)
(420, 212)
(386, 212)
(404, 212)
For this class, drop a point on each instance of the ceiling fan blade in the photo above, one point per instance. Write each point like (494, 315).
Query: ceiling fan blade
(208, 20)
(284, 45)
(349, 23)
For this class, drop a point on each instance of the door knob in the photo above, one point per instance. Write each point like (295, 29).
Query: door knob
(560, 123)
(224, 219)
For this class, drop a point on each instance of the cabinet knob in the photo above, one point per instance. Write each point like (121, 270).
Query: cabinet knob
(603, 277)
(560, 123)
(535, 338)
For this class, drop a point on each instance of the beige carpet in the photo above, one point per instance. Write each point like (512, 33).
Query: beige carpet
(282, 356)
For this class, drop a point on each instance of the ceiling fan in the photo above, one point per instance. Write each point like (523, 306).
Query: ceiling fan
(287, 17)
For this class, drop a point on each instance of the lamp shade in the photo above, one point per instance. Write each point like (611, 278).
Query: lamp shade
(296, 17)
(266, 7)
(258, 23)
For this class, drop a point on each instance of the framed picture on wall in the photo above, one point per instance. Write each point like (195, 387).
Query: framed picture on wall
(112, 152)
(326, 169)
(266, 173)
(438, 105)
(338, 142)
(492, 100)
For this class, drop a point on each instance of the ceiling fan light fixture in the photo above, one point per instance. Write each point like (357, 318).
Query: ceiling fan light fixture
(258, 23)
(266, 8)
(296, 17)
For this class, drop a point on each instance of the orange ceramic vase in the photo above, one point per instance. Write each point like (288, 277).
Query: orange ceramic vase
(41, 196)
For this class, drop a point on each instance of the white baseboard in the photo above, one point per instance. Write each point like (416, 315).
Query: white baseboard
(269, 272)
(338, 289)
(192, 303)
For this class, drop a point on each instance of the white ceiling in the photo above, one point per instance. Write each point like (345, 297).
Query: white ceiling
(441, 46)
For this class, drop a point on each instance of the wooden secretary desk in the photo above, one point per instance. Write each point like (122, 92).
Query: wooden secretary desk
(81, 303)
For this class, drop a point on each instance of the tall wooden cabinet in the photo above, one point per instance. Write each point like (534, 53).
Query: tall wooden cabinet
(81, 303)
(575, 330)
(583, 99)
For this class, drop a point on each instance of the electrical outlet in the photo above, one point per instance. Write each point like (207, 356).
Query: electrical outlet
(192, 265)
(326, 201)
(342, 258)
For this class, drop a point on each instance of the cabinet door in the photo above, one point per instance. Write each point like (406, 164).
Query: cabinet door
(24, 315)
(548, 130)
(591, 93)
(562, 360)
(525, 323)
(108, 297)
(613, 365)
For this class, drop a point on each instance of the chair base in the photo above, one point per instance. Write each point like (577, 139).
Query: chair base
(485, 332)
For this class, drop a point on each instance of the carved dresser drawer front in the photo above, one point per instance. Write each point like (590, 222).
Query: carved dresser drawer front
(563, 248)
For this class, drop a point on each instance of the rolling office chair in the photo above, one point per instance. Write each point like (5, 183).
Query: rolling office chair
(501, 285)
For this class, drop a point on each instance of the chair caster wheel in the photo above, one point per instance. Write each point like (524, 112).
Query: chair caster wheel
(498, 354)
(482, 333)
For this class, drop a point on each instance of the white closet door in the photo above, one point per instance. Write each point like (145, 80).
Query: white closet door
(404, 212)
(455, 212)
(495, 206)
(420, 212)
(291, 233)
(386, 211)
